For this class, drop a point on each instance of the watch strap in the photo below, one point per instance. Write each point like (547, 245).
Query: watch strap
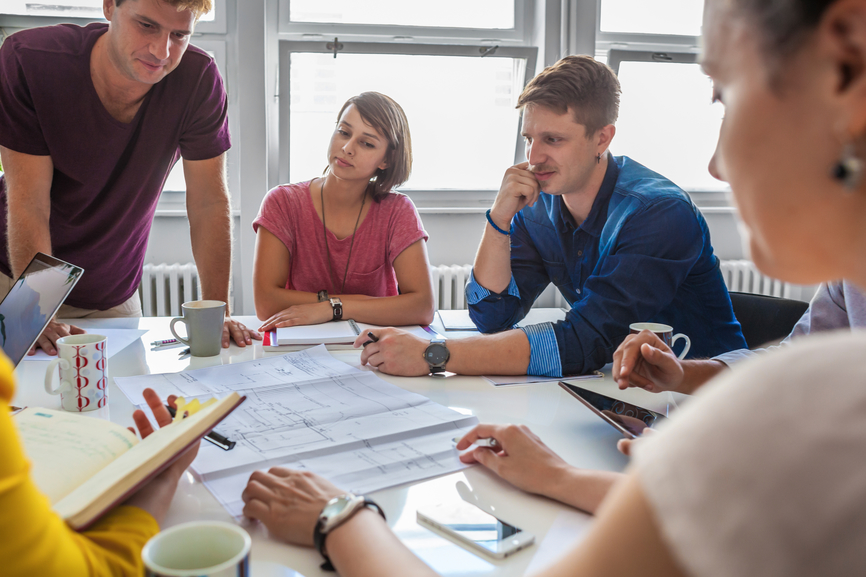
(319, 536)
(337, 306)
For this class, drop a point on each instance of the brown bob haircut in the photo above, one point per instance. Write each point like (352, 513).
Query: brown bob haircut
(586, 86)
(197, 7)
(387, 117)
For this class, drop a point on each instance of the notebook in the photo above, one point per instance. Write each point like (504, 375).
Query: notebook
(86, 466)
(33, 301)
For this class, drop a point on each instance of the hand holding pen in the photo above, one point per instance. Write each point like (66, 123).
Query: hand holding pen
(517, 455)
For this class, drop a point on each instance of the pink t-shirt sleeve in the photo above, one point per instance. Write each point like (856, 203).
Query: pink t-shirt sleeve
(406, 227)
(276, 214)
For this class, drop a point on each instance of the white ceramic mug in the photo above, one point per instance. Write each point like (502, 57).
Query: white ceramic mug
(665, 333)
(204, 327)
(199, 548)
(83, 370)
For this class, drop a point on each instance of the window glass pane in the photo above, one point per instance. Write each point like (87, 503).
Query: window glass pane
(460, 110)
(498, 14)
(667, 123)
(72, 8)
(679, 17)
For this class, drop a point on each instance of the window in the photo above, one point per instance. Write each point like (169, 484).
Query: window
(492, 14)
(458, 88)
(666, 120)
(669, 17)
(463, 129)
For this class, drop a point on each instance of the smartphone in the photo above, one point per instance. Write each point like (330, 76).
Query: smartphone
(628, 419)
(470, 526)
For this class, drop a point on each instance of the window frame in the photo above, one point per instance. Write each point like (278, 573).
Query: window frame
(370, 32)
(289, 47)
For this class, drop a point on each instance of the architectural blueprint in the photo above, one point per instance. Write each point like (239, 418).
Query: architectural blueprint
(307, 410)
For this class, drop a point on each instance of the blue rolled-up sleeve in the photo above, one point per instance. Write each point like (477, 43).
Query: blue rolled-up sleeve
(543, 351)
(475, 293)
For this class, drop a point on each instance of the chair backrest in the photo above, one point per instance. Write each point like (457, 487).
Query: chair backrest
(765, 319)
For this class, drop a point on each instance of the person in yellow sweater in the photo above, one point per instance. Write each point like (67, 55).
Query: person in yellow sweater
(35, 541)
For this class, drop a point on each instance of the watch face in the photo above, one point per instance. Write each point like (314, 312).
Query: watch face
(436, 354)
(336, 505)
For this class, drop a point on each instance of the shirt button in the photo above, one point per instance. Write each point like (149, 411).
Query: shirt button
(578, 291)
(580, 253)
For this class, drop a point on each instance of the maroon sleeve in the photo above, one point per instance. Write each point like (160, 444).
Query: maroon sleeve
(19, 124)
(206, 134)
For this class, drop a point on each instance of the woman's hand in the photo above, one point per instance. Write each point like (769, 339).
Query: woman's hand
(519, 457)
(299, 315)
(288, 502)
(156, 496)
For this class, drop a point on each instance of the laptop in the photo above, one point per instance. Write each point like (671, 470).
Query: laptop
(33, 302)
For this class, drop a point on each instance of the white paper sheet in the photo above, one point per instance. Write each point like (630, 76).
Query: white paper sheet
(116, 339)
(308, 410)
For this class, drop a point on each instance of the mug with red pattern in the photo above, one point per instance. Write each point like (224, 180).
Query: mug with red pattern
(83, 373)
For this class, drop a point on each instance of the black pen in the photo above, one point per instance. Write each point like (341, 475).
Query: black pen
(184, 352)
(214, 437)
(373, 338)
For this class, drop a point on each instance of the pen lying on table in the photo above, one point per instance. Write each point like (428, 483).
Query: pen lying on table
(214, 437)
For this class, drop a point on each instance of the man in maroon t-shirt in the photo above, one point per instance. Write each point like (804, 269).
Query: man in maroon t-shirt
(92, 120)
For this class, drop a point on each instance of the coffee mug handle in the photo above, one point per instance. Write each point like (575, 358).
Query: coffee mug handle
(177, 336)
(49, 377)
(685, 348)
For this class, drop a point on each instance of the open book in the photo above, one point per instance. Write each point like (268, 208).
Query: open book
(87, 465)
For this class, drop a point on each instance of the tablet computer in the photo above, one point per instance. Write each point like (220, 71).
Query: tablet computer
(628, 419)
(33, 301)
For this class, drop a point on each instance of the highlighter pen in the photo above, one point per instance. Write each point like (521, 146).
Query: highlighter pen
(214, 437)
(373, 338)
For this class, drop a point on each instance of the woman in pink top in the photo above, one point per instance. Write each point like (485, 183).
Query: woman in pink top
(339, 246)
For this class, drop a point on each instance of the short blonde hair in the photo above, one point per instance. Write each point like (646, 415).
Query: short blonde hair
(197, 7)
(385, 115)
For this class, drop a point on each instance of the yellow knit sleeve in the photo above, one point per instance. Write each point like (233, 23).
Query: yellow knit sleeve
(35, 541)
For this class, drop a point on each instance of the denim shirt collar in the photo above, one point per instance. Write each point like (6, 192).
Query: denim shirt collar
(597, 217)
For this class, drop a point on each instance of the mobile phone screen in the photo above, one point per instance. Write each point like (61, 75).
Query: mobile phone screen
(470, 523)
(631, 418)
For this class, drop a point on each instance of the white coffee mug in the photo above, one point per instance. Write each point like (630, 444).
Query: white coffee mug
(665, 333)
(199, 548)
(83, 373)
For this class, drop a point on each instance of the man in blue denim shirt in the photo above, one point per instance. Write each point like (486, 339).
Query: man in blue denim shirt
(621, 243)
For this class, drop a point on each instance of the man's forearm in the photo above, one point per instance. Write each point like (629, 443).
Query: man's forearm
(698, 372)
(505, 353)
(210, 231)
(26, 237)
(492, 268)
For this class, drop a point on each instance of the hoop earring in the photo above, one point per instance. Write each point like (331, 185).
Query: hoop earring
(849, 169)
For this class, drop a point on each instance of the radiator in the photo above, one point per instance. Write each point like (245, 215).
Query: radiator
(449, 289)
(164, 287)
(449, 284)
(744, 276)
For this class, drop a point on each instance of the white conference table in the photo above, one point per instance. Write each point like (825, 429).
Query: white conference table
(562, 422)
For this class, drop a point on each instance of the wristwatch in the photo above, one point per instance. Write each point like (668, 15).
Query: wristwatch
(336, 512)
(436, 355)
(322, 295)
(337, 305)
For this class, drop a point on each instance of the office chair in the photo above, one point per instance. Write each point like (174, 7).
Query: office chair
(765, 319)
